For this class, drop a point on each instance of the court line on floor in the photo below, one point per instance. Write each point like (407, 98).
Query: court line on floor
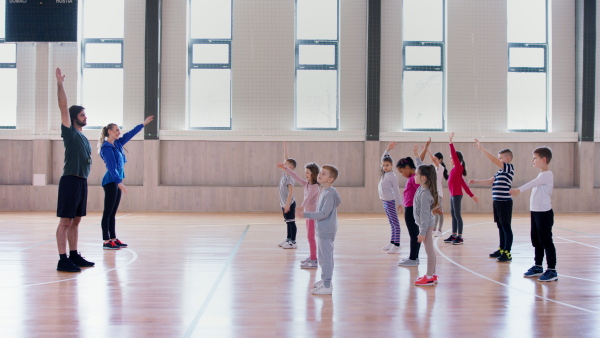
(213, 290)
(578, 232)
(54, 239)
(81, 275)
(435, 243)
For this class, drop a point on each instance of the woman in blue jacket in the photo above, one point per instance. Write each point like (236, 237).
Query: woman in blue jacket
(110, 147)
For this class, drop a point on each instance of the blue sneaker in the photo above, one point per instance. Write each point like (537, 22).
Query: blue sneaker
(534, 271)
(549, 276)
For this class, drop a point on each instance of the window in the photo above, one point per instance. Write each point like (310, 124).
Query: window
(423, 76)
(317, 40)
(8, 78)
(209, 50)
(102, 61)
(527, 83)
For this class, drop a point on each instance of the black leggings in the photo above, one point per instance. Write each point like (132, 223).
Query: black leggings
(457, 221)
(413, 232)
(290, 221)
(112, 198)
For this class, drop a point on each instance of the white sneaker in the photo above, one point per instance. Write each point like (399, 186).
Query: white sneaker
(408, 262)
(305, 260)
(387, 247)
(322, 290)
(282, 243)
(437, 234)
(394, 250)
(310, 264)
(289, 245)
(317, 284)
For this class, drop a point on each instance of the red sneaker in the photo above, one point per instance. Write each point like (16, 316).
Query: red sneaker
(120, 244)
(424, 281)
(110, 245)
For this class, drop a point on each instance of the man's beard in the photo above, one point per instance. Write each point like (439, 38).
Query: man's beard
(79, 123)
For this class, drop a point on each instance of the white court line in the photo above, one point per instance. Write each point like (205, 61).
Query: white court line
(80, 275)
(572, 241)
(435, 243)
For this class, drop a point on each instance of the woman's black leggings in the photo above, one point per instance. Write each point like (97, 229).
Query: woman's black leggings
(112, 198)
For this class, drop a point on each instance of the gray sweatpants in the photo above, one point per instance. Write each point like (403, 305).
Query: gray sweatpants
(325, 258)
(430, 252)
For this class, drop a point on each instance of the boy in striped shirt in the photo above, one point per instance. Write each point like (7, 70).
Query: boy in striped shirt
(501, 183)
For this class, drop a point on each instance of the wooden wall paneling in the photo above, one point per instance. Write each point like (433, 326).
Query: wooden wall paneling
(16, 159)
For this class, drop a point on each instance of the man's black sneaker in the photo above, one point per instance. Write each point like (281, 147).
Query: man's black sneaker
(120, 244)
(80, 261)
(496, 253)
(66, 265)
(506, 257)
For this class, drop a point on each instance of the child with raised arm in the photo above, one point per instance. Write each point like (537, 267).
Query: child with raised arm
(288, 203)
(542, 216)
(456, 184)
(326, 227)
(406, 166)
(426, 200)
(441, 173)
(501, 183)
(311, 195)
(389, 193)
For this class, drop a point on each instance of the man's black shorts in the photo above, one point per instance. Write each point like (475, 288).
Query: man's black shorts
(72, 197)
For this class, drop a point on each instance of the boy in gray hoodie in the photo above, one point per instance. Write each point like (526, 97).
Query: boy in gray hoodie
(326, 227)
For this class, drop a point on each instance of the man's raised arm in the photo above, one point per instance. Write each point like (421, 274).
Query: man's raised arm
(62, 99)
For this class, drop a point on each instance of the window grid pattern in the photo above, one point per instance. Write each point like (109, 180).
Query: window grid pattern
(207, 109)
(8, 67)
(333, 66)
(437, 67)
(513, 48)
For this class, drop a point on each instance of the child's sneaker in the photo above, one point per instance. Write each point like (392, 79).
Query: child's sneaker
(65, 265)
(496, 253)
(387, 247)
(290, 245)
(408, 262)
(282, 243)
(322, 290)
(450, 239)
(458, 241)
(120, 244)
(534, 271)
(506, 257)
(110, 245)
(305, 260)
(80, 261)
(317, 284)
(310, 264)
(424, 281)
(437, 233)
(549, 276)
(394, 250)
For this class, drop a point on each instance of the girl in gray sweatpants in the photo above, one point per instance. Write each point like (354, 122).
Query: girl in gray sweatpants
(426, 200)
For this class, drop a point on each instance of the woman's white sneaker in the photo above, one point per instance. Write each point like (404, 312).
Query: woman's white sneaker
(394, 250)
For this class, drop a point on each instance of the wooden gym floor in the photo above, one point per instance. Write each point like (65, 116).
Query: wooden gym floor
(223, 275)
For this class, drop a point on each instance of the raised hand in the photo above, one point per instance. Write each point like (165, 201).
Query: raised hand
(148, 119)
(451, 136)
(391, 145)
(60, 79)
(281, 165)
(416, 150)
(477, 144)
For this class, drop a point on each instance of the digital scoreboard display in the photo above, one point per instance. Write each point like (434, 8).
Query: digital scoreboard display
(41, 20)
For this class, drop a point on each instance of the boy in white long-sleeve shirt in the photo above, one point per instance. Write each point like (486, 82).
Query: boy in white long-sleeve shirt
(542, 216)
(326, 227)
